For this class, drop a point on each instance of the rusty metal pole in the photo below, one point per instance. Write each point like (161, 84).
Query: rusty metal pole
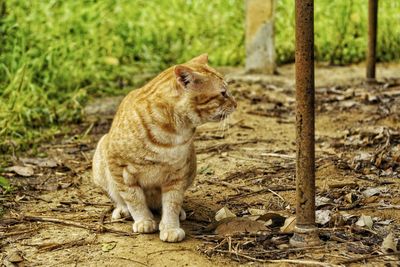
(306, 233)
(372, 31)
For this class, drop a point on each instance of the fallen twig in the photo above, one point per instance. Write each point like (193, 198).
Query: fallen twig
(276, 194)
(94, 228)
(36, 197)
(4, 235)
(369, 257)
(278, 155)
(228, 146)
(58, 246)
(275, 188)
(230, 185)
(168, 250)
(85, 203)
(308, 262)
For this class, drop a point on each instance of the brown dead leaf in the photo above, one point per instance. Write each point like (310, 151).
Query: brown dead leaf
(359, 248)
(365, 221)
(322, 201)
(337, 220)
(389, 245)
(234, 225)
(25, 171)
(41, 162)
(350, 198)
(289, 225)
(273, 219)
(224, 213)
(369, 200)
(372, 191)
(15, 257)
(323, 217)
(257, 212)
(53, 187)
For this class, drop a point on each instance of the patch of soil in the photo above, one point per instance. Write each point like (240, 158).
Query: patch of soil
(245, 164)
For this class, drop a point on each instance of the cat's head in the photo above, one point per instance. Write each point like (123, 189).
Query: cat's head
(206, 90)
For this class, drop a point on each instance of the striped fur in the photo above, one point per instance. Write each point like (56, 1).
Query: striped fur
(147, 160)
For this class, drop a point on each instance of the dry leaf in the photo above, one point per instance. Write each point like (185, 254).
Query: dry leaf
(385, 222)
(233, 225)
(15, 257)
(322, 201)
(359, 248)
(389, 244)
(322, 217)
(365, 221)
(25, 171)
(369, 200)
(346, 216)
(106, 247)
(257, 211)
(41, 162)
(350, 198)
(289, 225)
(54, 187)
(224, 213)
(252, 217)
(372, 191)
(337, 219)
(273, 219)
(283, 246)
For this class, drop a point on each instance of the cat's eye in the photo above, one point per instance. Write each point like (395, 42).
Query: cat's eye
(224, 94)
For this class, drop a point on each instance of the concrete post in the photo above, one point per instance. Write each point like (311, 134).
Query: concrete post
(260, 47)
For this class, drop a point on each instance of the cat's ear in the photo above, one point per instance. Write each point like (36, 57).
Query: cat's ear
(184, 75)
(202, 59)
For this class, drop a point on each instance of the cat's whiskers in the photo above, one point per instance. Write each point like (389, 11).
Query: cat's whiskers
(228, 120)
(221, 128)
(224, 125)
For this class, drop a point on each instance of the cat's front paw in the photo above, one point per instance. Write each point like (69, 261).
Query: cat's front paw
(172, 235)
(145, 226)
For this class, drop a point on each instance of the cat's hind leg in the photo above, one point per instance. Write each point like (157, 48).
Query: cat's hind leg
(120, 210)
(102, 177)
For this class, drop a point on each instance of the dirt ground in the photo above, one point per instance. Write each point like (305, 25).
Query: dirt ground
(56, 217)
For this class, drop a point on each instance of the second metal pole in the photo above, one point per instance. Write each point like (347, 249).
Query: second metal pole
(372, 31)
(305, 231)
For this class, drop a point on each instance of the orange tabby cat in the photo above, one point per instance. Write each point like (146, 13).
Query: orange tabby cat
(147, 160)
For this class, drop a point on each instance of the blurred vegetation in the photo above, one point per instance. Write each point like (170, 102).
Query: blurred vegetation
(341, 31)
(54, 54)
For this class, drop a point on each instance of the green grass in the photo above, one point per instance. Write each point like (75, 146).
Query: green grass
(55, 54)
(341, 31)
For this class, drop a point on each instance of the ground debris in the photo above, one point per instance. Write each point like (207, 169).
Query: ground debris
(234, 225)
(224, 213)
(389, 244)
(26, 171)
(249, 169)
(91, 227)
(373, 150)
(40, 162)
